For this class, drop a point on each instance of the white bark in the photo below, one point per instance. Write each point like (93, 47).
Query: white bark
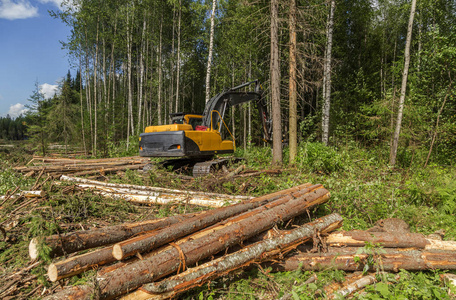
(400, 112)
(211, 46)
(327, 76)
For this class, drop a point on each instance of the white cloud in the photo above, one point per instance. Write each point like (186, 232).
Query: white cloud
(21, 9)
(16, 110)
(56, 2)
(49, 90)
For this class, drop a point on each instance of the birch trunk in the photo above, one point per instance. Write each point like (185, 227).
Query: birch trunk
(327, 75)
(211, 46)
(397, 131)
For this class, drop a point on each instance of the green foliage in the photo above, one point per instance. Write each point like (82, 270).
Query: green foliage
(319, 158)
(9, 179)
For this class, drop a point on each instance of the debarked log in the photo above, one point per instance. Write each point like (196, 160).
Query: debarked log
(387, 259)
(147, 242)
(257, 252)
(217, 238)
(358, 238)
(87, 239)
(163, 231)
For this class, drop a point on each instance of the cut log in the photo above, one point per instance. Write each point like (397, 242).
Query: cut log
(134, 189)
(86, 239)
(388, 259)
(260, 251)
(213, 240)
(172, 229)
(78, 264)
(27, 194)
(358, 238)
(147, 242)
(163, 199)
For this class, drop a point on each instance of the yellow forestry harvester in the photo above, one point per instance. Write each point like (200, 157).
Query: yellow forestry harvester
(196, 138)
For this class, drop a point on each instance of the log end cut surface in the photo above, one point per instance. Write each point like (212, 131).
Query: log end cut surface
(53, 272)
(33, 249)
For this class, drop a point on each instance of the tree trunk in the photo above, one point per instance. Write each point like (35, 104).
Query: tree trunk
(204, 244)
(130, 124)
(178, 55)
(327, 75)
(293, 127)
(397, 131)
(160, 74)
(211, 46)
(275, 87)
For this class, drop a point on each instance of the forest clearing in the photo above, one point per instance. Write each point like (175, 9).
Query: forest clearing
(236, 149)
(110, 221)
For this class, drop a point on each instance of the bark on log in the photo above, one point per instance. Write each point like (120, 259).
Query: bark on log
(178, 226)
(226, 234)
(147, 242)
(358, 238)
(254, 253)
(86, 239)
(163, 199)
(389, 259)
(129, 188)
(27, 194)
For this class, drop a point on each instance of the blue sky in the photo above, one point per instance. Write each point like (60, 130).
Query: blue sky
(30, 52)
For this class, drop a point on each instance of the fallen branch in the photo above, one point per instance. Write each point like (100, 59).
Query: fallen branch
(353, 287)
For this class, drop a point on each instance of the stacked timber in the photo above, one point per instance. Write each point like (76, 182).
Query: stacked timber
(153, 195)
(392, 248)
(140, 254)
(80, 167)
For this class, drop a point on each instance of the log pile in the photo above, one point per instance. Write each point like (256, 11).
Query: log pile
(160, 259)
(389, 246)
(140, 254)
(153, 195)
(55, 166)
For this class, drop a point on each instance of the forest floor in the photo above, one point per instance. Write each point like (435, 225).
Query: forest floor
(363, 191)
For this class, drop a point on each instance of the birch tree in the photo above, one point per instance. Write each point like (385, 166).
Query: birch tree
(397, 131)
(327, 75)
(211, 45)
